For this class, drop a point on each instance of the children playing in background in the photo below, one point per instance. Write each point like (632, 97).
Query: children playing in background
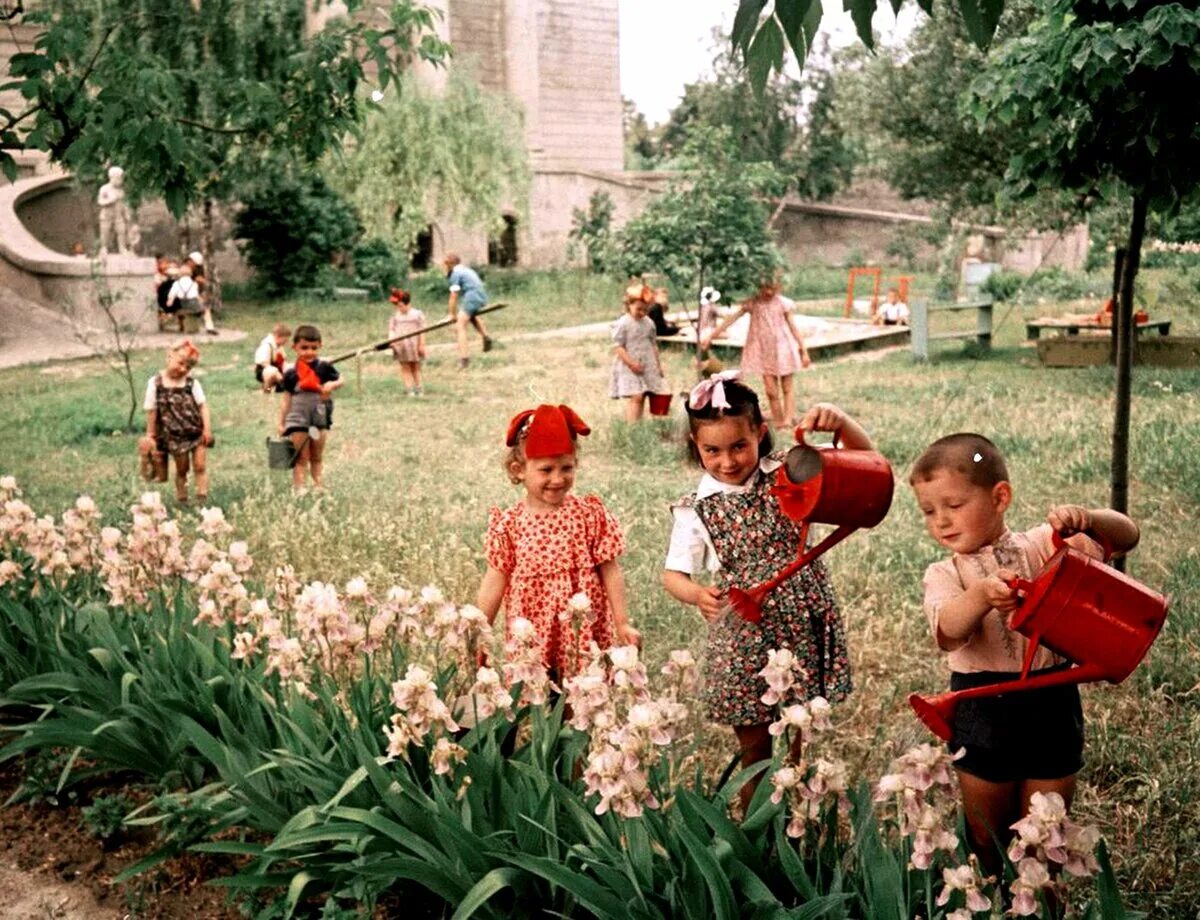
(177, 423)
(307, 410)
(410, 352)
(892, 312)
(637, 365)
(774, 347)
(269, 358)
(552, 545)
(731, 530)
(658, 313)
(1019, 743)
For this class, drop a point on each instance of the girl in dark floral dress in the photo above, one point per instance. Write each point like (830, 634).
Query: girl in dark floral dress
(731, 529)
(177, 422)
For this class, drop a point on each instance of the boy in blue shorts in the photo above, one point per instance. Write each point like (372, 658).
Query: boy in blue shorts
(466, 288)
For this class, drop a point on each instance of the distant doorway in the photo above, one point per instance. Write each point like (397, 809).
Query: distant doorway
(422, 256)
(502, 250)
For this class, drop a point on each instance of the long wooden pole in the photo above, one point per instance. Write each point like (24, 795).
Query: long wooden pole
(1123, 317)
(380, 346)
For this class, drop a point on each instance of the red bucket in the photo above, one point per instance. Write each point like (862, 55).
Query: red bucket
(660, 403)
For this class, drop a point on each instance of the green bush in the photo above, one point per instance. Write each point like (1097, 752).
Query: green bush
(292, 227)
(377, 267)
(105, 817)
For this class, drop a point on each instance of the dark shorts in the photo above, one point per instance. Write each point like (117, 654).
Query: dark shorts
(1033, 734)
(258, 375)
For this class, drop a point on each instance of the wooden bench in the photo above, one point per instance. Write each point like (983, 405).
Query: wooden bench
(1034, 327)
(920, 317)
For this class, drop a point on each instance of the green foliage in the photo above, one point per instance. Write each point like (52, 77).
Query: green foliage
(641, 143)
(592, 229)
(377, 267)
(1044, 284)
(458, 155)
(190, 98)
(105, 817)
(709, 226)
(1093, 86)
(831, 159)
(760, 39)
(292, 227)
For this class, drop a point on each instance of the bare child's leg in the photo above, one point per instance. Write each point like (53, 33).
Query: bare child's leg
(300, 444)
(633, 407)
(316, 452)
(200, 468)
(406, 375)
(990, 809)
(755, 742)
(181, 476)
(771, 386)
(415, 367)
(460, 331)
(159, 460)
(789, 398)
(478, 324)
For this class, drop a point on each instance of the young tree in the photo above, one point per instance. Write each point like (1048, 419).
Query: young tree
(710, 225)
(459, 154)
(1096, 87)
(192, 98)
(641, 142)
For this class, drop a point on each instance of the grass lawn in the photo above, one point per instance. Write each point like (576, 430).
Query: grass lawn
(410, 482)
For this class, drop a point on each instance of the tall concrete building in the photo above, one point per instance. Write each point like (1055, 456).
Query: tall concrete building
(560, 60)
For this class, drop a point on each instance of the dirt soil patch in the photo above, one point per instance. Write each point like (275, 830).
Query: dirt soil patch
(52, 869)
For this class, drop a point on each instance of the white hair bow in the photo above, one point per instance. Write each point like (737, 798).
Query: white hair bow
(709, 296)
(712, 390)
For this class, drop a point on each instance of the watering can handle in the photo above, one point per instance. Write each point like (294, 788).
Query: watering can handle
(837, 437)
(1105, 544)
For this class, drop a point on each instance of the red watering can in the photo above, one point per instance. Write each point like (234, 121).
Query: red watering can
(1081, 609)
(831, 485)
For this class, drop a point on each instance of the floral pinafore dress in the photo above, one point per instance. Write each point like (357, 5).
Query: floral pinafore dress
(180, 425)
(754, 540)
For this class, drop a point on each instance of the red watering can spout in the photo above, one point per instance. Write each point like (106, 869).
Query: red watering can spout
(1079, 608)
(846, 487)
(937, 712)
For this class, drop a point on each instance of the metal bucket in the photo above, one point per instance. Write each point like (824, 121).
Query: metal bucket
(281, 455)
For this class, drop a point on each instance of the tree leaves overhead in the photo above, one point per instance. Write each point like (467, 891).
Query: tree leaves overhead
(190, 98)
(757, 29)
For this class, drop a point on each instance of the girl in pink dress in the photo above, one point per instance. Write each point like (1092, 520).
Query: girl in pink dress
(774, 348)
(410, 352)
(553, 545)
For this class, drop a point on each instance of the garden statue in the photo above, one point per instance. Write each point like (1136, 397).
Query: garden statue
(114, 215)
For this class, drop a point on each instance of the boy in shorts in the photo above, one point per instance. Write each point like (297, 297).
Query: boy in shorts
(1017, 743)
(467, 291)
(306, 414)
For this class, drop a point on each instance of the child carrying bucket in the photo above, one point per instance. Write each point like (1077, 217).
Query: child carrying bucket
(177, 424)
(306, 414)
(732, 530)
(637, 366)
(1018, 743)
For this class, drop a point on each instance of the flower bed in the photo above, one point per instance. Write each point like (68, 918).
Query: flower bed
(351, 744)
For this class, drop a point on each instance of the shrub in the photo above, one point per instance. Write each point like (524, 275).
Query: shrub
(291, 228)
(377, 267)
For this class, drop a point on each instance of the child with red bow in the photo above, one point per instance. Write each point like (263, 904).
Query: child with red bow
(177, 423)
(552, 546)
(307, 411)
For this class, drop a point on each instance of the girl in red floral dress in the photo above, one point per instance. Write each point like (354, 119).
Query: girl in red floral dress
(731, 531)
(553, 545)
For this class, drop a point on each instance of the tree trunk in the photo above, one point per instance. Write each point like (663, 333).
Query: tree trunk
(211, 276)
(1123, 319)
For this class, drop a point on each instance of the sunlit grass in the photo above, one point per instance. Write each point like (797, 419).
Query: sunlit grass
(410, 482)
